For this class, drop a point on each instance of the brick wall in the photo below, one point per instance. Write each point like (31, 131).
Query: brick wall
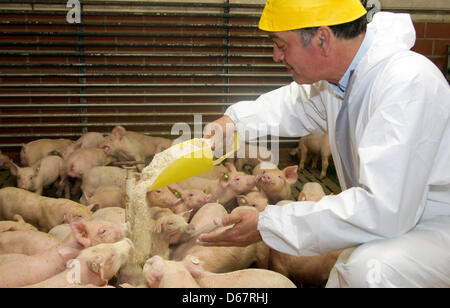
(433, 39)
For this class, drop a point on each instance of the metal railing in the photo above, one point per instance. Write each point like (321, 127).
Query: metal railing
(165, 61)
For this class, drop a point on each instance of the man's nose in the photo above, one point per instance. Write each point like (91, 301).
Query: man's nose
(278, 55)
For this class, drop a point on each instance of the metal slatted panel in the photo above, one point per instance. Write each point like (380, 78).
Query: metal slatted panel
(143, 64)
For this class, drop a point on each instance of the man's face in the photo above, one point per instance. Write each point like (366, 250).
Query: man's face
(303, 62)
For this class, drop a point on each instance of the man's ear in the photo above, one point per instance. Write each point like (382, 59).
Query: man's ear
(79, 230)
(323, 40)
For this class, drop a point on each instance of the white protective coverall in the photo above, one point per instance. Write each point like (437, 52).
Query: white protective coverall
(399, 107)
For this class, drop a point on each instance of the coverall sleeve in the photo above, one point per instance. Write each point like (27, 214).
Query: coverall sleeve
(396, 153)
(290, 111)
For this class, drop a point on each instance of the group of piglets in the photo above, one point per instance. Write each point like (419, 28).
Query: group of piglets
(78, 240)
(30, 256)
(64, 163)
(184, 210)
(58, 242)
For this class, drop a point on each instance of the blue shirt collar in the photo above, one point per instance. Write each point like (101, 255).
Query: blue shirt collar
(362, 51)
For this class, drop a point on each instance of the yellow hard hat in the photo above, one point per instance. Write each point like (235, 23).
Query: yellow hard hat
(285, 15)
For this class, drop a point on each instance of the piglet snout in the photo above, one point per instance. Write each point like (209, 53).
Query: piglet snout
(265, 178)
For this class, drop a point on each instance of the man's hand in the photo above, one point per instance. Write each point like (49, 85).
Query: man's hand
(219, 130)
(243, 233)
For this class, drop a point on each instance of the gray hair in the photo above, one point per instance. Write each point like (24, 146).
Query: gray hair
(343, 31)
(306, 35)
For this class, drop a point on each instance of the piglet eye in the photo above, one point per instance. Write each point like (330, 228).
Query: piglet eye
(102, 231)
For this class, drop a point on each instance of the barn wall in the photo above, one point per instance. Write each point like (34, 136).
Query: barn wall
(146, 65)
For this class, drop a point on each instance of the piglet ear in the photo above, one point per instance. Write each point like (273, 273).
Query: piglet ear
(301, 196)
(156, 226)
(230, 166)
(193, 265)
(186, 214)
(152, 275)
(18, 218)
(241, 200)
(153, 278)
(79, 230)
(93, 207)
(119, 132)
(68, 253)
(97, 266)
(67, 218)
(13, 168)
(224, 180)
(291, 174)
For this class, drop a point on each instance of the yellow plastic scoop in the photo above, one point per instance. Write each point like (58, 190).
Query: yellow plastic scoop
(196, 158)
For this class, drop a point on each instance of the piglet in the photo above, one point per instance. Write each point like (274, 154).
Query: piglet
(84, 159)
(311, 191)
(79, 162)
(164, 197)
(192, 199)
(225, 188)
(97, 266)
(102, 176)
(161, 273)
(132, 146)
(105, 196)
(17, 224)
(276, 183)
(39, 176)
(88, 140)
(220, 259)
(249, 156)
(26, 242)
(4, 161)
(115, 215)
(42, 212)
(35, 150)
(313, 270)
(319, 146)
(39, 267)
(167, 229)
(112, 214)
(254, 199)
(245, 278)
